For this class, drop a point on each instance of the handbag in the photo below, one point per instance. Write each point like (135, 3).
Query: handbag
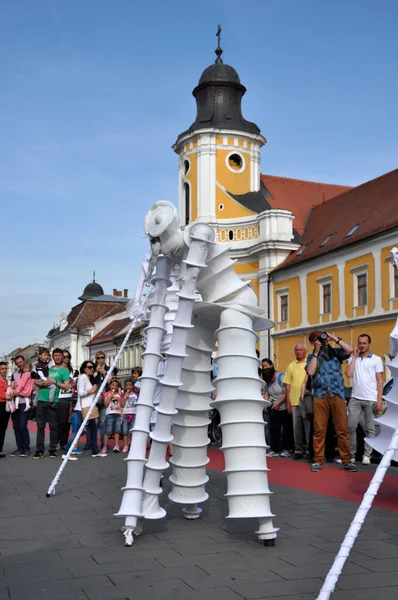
(308, 403)
(94, 414)
(10, 406)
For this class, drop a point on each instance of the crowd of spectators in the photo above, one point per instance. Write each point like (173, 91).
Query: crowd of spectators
(56, 394)
(306, 409)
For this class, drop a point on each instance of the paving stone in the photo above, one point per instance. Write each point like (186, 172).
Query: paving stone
(319, 570)
(386, 593)
(369, 580)
(280, 588)
(377, 566)
(4, 592)
(119, 567)
(150, 591)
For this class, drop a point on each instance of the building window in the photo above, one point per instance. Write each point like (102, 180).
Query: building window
(327, 298)
(235, 162)
(186, 166)
(187, 197)
(395, 281)
(284, 308)
(362, 289)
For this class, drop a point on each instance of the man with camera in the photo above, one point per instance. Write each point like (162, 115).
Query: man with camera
(324, 366)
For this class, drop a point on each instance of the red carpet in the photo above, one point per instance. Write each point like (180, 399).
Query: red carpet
(331, 481)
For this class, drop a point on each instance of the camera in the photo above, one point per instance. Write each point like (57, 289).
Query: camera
(322, 337)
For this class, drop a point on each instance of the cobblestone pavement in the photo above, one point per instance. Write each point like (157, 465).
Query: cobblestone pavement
(70, 545)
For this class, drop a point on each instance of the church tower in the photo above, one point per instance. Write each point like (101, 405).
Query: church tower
(219, 154)
(219, 181)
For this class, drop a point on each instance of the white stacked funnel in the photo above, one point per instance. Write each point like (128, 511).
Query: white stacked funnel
(190, 425)
(131, 506)
(172, 305)
(388, 422)
(240, 404)
(201, 236)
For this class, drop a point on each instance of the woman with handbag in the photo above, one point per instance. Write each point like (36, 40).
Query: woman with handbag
(4, 415)
(86, 392)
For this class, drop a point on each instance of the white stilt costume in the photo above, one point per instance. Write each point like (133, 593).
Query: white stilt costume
(211, 297)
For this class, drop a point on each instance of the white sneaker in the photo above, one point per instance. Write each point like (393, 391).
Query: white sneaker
(70, 458)
(352, 461)
(95, 455)
(338, 460)
(272, 454)
(366, 460)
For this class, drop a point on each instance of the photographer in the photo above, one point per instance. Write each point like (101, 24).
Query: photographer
(324, 366)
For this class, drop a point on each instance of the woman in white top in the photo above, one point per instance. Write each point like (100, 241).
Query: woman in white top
(86, 392)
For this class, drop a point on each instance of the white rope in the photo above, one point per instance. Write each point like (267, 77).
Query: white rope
(355, 527)
(51, 489)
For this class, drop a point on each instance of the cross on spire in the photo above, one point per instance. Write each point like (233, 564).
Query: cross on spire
(94, 276)
(219, 49)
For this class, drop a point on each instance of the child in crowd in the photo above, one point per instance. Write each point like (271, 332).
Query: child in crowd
(114, 415)
(42, 369)
(135, 374)
(275, 392)
(24, 388)
(129, 410)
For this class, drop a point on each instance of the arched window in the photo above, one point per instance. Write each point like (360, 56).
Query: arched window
(187, 195)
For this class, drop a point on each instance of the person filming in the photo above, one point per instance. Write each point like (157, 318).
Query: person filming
(324, 366)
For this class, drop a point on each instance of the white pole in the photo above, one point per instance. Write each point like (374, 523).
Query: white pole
(51, 489)
(355, 527)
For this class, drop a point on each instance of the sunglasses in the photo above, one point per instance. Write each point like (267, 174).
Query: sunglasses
(90, 367)
(66, 356)
(101, 357)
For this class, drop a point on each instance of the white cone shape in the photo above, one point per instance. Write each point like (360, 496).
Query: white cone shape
(131, 506)
(240, 404)
(389, 421)
(201, 235)
(190, 425)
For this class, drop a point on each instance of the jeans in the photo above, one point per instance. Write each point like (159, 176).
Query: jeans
(20, 425)
(127, 424)
(63, 421)
(113, 424)
(76, 421)
(322, 409)
(101, 423)
(280, 420)
(93, 428)
(267, 430)
(355, 409)
(4, 416)
(301, 430)
(45, 413)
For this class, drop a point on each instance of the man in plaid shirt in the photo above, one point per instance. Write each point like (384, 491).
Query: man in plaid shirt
(324, 366)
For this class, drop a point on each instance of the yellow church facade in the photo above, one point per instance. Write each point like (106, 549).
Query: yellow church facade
(283, 241)
(342, 279)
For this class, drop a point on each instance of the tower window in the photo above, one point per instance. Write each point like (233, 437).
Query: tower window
(221, 206)
(187, 197)
(186, 166)
(230, 235)
(235, 162)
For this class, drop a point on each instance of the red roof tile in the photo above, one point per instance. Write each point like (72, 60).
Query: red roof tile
(108, 333)
(373, 205)
(299, 196)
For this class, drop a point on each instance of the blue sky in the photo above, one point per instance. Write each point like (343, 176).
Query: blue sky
(94, 93)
